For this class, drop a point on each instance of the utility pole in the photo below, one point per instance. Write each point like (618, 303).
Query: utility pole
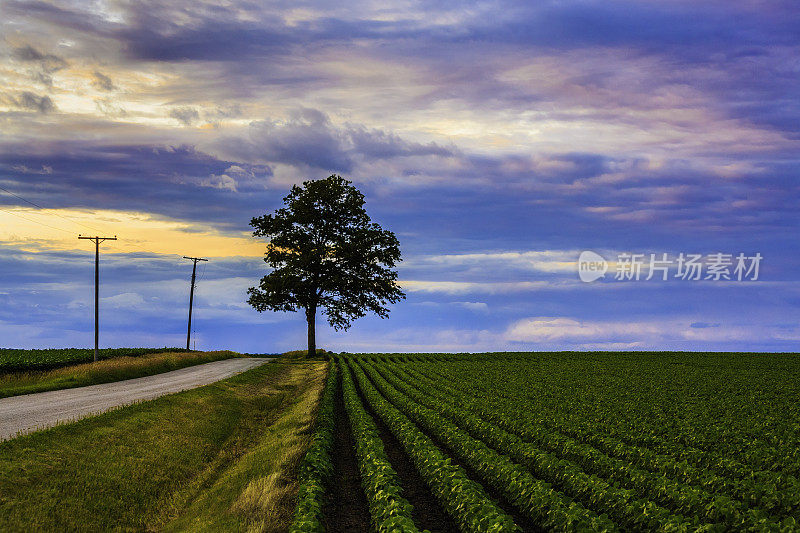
(191, 296)
(97, 241)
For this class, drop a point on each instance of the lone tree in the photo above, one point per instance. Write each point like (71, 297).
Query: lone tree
(326, 253)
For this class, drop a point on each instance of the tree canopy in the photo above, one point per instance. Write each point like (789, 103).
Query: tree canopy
(325, 252)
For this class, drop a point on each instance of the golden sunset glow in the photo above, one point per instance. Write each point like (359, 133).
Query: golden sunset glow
(57, 229)
(498, 140)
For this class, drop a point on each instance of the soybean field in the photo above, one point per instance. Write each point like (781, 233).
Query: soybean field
(555, 442)
(19, 360)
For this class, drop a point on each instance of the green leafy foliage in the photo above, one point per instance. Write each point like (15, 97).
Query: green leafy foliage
(553, 405)
(390, 512)
(533, 497)
(593, 441)
(464, 499)
(317, 465)
(677, 496)
(325, 252)
(13, 360)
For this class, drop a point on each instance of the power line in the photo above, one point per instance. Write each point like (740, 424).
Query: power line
(20, 197)
(139, 248)
(97, 240)
(15, 195)
(114, 248)
(36, 221)
(202, 274)
(73, 233)
(69, 219)
(142, 250)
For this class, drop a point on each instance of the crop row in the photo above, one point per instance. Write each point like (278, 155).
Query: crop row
(317, 467)
(462, 498)
(679, 498)
(772, 493)
(623, 506)
(536, 499)
(13, 360)
(709, 442)
(389, 510)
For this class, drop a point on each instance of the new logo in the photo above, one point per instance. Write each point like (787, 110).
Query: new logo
(591, 266)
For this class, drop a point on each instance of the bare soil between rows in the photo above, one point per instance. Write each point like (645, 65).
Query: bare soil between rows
(527, 525)
(346, 509)
(427, 513)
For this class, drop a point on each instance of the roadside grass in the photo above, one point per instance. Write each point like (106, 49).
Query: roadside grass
(104, 371)
(137, 467)
(258, 492)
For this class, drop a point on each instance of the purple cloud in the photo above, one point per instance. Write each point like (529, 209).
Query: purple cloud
(508, 128)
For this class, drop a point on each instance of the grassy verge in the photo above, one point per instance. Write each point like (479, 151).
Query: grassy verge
(258, 492)
(207, 458)
(103, 371)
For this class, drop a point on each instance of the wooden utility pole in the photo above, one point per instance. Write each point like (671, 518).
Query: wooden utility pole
(191, 296)
(97, 241)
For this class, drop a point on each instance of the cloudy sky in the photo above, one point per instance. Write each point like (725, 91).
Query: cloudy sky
(497, 140)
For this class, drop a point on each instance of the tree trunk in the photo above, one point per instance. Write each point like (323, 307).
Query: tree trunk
(311, 315)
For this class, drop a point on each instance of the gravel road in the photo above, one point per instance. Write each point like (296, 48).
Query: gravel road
(29, 412)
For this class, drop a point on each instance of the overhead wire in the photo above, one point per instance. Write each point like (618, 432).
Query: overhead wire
(108, 243)
(203, 273)
(70, 219)
(35, 221)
